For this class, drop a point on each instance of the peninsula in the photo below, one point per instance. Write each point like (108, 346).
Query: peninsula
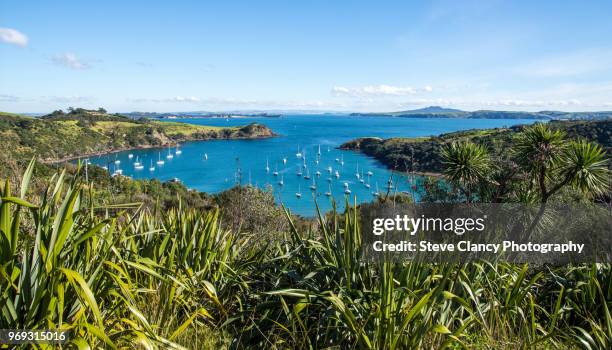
(61, 136)
(422, 154)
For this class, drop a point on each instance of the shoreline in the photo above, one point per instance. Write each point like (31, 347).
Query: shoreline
(142, 147)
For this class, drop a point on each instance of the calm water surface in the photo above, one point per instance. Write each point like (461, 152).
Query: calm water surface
(298, 134)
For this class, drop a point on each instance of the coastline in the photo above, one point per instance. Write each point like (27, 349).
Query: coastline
(141, 147)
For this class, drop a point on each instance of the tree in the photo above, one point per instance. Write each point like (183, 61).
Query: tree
(466, 165)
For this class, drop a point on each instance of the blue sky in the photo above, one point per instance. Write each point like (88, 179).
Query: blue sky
(324, 55)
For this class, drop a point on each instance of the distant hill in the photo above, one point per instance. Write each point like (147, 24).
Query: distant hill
(440, 112)
(430, 109)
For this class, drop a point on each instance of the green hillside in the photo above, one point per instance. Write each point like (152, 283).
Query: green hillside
(81, 132)
(399, 153)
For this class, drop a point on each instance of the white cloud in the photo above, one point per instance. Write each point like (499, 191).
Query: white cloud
(9, 98)
(377, 90)
(12, 36)
(504, 103)
(67, 99)
(70, 60)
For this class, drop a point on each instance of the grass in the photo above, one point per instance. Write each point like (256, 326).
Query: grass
(120, 275)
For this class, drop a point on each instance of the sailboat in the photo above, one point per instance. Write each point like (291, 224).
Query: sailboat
(299, 172)
(337, 174)
(139, 167)
(361, 179)
(178, 151)
(169, 156)
(298, 194)
(342, 160)
(275, 173)
(328, 193)
(281, 182)
(284, 160)
(117, 161)
(357, 172)
(319, 151)
(314, 185)
(151, 167)
(160, 161)
(329, 169)
(267, 166)
(318, 173)
(376, 194)
(367, 184)
(346, 188)
(137, 163)
(205, 156)
(370, 173)
(130, 156)
(307, 176)
(298, 154)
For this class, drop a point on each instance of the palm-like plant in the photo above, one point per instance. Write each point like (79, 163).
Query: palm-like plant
(585, 167)
(538, 151)
(466, 165)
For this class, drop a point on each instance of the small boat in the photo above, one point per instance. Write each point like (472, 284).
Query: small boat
(176, 179)
(118, 172)
(370, 173)
(298, 194)
(328, 193)
(329, 179)
(329, 169)
(318, 173)
(151, 167)
(281, 182)
(117, 161)
(205, 156)
(178, 151)
(139, 167)
(267, 166)
(337, 160)
(337, 174)
(346, 185)
(347, 191)
(169, 156)
(130, 156)
(160, 161)
(105, 167)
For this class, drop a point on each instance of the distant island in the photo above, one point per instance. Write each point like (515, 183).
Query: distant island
(441, 112)
(423, 154)
(188, 115)
(61, 136)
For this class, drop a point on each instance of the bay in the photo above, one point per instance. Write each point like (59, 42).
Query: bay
(298, 133)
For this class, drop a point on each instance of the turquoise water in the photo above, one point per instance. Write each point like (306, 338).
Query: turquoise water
(297, 132)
